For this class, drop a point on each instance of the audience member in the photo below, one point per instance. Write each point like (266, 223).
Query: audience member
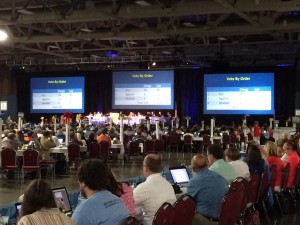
(103, 137)
(156, 190)
(256, 132)
(274, 159)
(123, 190)
(101, 206)
(254, 159)
(290, 147)
(232, 156)
(215, 156)
(46, 142)
(39, 207)
(208, 189)
(74, 140)
(60, 135)
(91, 139)
(10, 142)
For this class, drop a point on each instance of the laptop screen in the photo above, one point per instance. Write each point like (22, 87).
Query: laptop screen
(62, 199)
(60, 140)
(179, 175)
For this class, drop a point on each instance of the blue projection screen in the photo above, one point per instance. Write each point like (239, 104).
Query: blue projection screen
(239, 93)
(143, 89)
(57, 95)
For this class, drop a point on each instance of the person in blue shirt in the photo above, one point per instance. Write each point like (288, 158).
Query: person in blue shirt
(208, 189)
(100, 205)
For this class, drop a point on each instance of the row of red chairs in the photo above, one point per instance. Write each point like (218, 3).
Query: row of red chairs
(181, 213)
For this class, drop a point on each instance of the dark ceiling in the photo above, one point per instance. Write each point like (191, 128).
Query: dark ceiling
(128, 33)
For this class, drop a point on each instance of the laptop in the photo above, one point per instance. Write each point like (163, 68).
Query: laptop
(61, 198)
(61, 140)
(180, 175)
(18, 206)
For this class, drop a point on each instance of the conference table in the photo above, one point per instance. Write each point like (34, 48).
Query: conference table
(201, 138)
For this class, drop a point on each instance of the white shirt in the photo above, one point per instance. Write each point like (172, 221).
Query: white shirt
(151, 194)
(241, 169)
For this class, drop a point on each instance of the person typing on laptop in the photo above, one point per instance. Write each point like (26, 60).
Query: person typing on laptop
(208, 189)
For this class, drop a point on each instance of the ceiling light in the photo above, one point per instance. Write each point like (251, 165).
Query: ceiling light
(154, 64)
(189, 24)
(143, 3)
(222, 38)
(26, 12)
(3, 35)
(132, 42)
(87, 30)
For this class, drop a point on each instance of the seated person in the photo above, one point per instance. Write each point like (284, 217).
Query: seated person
(46, 143)
(156, 190)
(39, 207)
(232, 156)
(101, 206)
(215, 156)
(74, 140)
(254, 159)
(208, 189)
(104, 137)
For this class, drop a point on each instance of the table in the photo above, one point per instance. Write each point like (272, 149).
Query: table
(64, 150)
(201, 138)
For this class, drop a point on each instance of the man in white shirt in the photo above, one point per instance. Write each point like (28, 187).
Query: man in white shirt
(156, 190)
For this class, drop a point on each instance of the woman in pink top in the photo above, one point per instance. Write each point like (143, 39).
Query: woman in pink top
(274, 159)
(290, 147)
(123, 190)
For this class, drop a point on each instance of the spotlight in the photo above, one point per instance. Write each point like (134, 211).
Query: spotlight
(154, 64)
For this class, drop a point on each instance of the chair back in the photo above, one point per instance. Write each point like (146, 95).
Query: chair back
(134, 148)
(131, 221)
(273, 175)
(148, 146)
(239, 183)
(104, 148)
(285, 171)
(164, 215)
(184, 209)
(264, 184)
(94, 149)
(8, 157)
(242, 137)
(232, 139)
(174, 139)
(158, 145)
(30, 158)
(225, 138)
(232, 202)
(73, 152)
(206, 140)
(253, 188)
(297, 177)
(187, 139)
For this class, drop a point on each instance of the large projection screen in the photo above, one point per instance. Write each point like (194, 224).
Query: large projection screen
(239, 93)
(143, 90)
(57, 94)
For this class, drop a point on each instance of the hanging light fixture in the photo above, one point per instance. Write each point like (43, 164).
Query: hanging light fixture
(3, 35)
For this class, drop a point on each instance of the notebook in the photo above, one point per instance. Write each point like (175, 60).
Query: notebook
(62, 199)
(180, 175)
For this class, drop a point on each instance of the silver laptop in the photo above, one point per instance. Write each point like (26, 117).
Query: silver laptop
(180, 175)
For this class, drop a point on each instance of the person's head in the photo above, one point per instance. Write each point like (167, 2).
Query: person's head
(46, 133)
(232, 154)
(151, 164)
(73, 135)
(92, 136)
(289, 146)
(254, 155)
(92, 176)
(104, 131)
(214, 153)
(271, 148)
(60, 132)
(198, 163)
(11, 136)
(38, 195)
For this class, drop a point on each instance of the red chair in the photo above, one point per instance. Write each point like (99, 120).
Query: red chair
(184, 209)
(31, 163)
(206, 142)
(158, 145)
(174, 140)
(232, 203)
(263, 192)
(187, 142)
(164, 215)
(8, 161)
(131, 221)
(148, 147)
(134, 149)
(104, 150)
(95, 150)
(74, 154)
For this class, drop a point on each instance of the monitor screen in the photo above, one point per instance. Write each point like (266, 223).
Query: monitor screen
(143, 89)
(179, 175)
(239, 93)
(57, 94)
(62, 199)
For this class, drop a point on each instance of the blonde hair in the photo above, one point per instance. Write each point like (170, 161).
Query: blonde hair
(271, 148)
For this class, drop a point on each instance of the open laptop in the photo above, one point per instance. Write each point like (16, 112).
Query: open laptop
(61, 140)
(180, 175)
(61, 198)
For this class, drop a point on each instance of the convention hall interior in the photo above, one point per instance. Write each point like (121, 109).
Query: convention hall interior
(195, 44)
